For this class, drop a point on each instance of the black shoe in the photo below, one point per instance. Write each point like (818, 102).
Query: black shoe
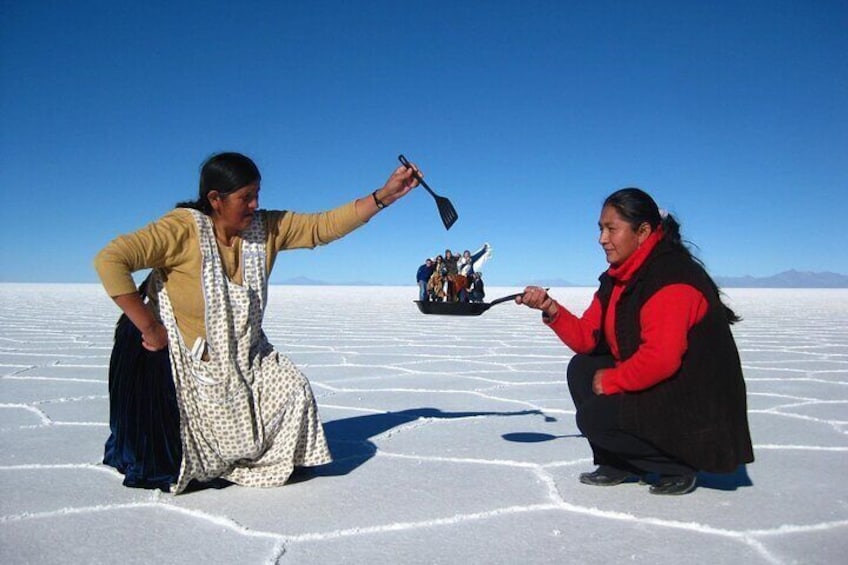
(606, 476)
(676, 484)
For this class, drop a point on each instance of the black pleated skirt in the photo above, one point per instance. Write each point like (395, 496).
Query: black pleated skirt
(144, 417)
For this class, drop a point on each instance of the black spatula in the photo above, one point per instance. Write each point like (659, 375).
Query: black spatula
(446, 209)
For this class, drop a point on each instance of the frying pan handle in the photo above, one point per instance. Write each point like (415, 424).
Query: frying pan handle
(508, 298)
(505, 298)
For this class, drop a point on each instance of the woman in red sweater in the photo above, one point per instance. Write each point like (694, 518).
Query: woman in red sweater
(656, 378)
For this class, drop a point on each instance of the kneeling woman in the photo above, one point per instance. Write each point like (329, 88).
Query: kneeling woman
(656, 379)
(196, 390)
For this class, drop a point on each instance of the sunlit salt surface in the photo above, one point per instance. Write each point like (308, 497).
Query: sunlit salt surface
(454, 440)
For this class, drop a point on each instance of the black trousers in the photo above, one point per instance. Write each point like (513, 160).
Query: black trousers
(598, 418)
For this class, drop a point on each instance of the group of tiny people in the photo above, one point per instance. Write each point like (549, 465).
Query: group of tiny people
(450, 278)
(655, 377)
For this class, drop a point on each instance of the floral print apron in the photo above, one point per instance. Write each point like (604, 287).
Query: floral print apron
(247, 414)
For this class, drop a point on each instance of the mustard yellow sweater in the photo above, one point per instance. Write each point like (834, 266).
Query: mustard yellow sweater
(171, 244)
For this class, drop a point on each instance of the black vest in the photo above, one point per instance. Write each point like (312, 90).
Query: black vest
(700, 413)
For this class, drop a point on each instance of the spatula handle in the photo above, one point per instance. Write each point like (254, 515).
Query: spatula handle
(408, 165)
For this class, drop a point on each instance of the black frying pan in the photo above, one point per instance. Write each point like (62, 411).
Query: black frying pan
(461, 308)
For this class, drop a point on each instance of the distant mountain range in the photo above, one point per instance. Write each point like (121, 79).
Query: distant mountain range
(552, 283)
(306, 281)
(786, 279)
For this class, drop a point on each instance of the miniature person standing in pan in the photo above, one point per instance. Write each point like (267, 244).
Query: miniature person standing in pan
(422, 277)
(450, 263)
(436, 284)
(656, 379)
(246, 413)
(478, 291)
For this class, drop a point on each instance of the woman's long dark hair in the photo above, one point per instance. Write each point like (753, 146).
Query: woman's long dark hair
(226, 173)
(637, 207)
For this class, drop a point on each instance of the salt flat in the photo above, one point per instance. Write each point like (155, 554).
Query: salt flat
(454, 441)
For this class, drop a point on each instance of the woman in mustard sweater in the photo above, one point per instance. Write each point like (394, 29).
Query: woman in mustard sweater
(203, 395)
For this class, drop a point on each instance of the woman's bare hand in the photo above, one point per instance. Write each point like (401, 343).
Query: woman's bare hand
(537, 298)
(155, 338)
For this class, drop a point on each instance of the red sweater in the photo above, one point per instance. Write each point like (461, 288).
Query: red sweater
(665, 319)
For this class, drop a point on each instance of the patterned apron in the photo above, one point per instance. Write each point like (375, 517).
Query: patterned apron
(247, 414)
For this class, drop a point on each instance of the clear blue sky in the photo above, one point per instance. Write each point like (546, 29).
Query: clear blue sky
(734, 115)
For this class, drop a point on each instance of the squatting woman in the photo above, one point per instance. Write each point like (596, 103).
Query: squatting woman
(656, 379)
